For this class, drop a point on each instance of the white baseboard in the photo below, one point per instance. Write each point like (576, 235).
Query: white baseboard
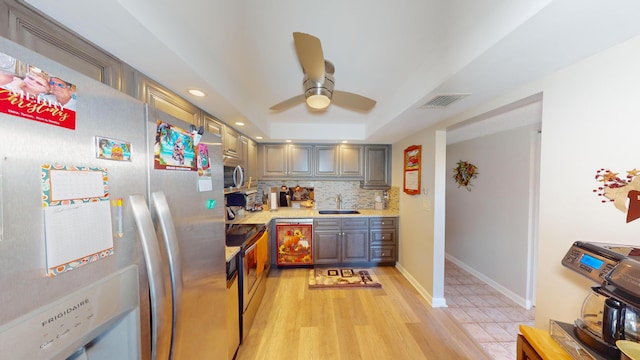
(503, 290)
(434, 302)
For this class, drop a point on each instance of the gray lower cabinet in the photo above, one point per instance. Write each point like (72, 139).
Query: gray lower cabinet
(383, 236)
(340, 240)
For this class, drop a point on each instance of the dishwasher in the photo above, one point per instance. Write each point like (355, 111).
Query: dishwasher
(294, 242)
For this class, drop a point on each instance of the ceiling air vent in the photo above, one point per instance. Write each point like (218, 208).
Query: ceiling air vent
(442, 101)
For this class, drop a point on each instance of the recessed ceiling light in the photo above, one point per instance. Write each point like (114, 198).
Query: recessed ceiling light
(195, 92)
(239, 123)
(287, 140)
(344, 141)
(259, 137)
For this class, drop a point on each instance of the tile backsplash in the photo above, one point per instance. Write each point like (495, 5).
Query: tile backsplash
(325, 193)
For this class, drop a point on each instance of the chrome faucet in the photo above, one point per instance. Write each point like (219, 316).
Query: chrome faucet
(339, 201)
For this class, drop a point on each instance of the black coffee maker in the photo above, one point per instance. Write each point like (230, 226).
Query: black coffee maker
(285, 197)
(611, 312)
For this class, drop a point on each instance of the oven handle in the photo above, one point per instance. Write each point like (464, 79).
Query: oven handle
(250, 248)
(252, 243)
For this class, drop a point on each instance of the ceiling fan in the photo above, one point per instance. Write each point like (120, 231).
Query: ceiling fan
(318, 80)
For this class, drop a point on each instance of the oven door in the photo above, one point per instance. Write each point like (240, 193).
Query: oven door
(249, 274)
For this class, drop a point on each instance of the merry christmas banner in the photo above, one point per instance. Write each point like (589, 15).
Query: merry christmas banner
(33, 93)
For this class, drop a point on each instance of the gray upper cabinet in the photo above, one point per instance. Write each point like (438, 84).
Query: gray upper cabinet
(339, 161)
(274, 160)
(286, 160)
(166, 101)
(377, 167)
(249, 160)
(213, 125)
(232, 143)
(327, 160)
(251, 164)
(351, 161)
(300, 160)
(26, 27)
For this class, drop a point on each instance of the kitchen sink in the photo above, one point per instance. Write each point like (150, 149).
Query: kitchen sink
(334, 212)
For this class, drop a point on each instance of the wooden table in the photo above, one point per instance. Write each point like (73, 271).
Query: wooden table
(537, 344)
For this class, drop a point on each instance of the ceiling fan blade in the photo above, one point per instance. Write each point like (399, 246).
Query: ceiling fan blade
(352, 101)
(309, 52)
(291, 102)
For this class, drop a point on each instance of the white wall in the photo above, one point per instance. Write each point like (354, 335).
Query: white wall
(488, 228)
(420, 258)
(591, 118)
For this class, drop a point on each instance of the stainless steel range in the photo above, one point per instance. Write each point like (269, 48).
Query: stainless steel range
(252, 266)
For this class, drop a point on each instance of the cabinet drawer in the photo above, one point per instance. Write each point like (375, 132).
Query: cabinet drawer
(383, 237)
(384, 222)
(355, 223)
(383, 253)
(327, 223)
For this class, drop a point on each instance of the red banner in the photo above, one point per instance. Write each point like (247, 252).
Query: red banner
(36, 108)
(31, 93)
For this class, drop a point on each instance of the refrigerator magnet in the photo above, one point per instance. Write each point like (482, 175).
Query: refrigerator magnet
(111, 149)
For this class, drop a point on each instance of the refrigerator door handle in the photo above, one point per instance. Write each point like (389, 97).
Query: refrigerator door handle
(160, 300)
(165, 220)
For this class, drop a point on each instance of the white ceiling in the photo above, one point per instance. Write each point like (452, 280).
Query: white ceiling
(400, 53)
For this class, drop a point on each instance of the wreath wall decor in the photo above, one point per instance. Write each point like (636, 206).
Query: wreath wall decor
(464, 172)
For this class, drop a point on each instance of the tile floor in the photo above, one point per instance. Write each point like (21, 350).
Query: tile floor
(491, 318)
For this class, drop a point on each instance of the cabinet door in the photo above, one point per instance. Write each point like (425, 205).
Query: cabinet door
(213, 125)
(351, 161)
(300, 160)
(274, 160)
(376, 166)
(326, 247)
(355, 246)
(46, 37)
(164, 100)
(244, 152)
(327, 160)
(251, 166)
(232, 143)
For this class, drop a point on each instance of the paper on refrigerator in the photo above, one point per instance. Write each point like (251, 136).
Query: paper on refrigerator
(77, 216)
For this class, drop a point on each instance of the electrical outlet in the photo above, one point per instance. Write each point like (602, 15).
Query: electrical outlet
(426, 205)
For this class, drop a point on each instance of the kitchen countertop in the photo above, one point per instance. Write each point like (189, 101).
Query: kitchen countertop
(265, 216)
(231, 251)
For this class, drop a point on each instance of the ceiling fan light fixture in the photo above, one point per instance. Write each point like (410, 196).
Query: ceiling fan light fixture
(318, 94)
(319, 101)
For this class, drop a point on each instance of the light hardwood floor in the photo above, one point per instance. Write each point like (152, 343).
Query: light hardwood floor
(395, 322)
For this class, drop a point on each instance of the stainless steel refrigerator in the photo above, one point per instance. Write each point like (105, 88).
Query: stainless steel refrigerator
(199, 329)
(26, 144)
(183, 237)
